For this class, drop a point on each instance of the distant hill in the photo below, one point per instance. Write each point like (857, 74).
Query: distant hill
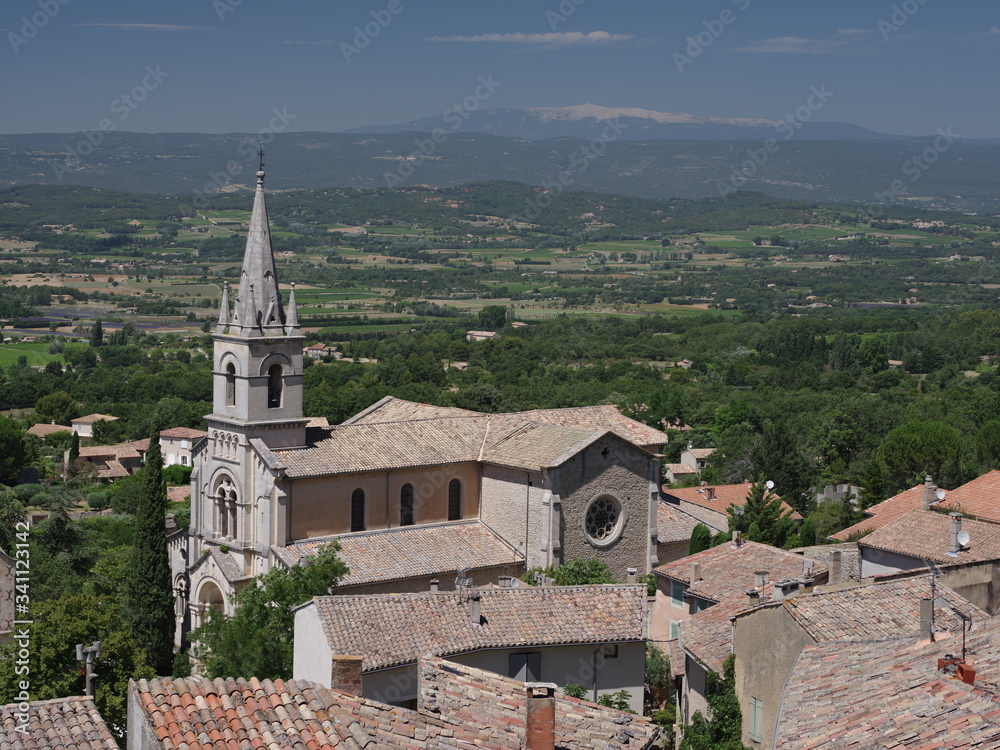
(962, 177)
(590, 120)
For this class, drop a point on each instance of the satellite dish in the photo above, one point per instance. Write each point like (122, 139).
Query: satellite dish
(963, 538)
(769, 485)
(939, 494)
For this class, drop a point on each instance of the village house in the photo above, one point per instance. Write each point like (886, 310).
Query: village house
(43, 430)
(769, 638)
(907, 694)
(457, 706)
(176, 444)
(697, 596)
(422, 482)
(710, 505)
(482, 336)
(84, 426)
(593, 636)
(115, 461)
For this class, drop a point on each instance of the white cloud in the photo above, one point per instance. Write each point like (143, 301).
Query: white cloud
(794, 45)
(554, 39)
(143, 26)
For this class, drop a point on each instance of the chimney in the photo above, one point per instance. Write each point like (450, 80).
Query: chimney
(738, 538)
(630, 575)
(475, 609)
(345, 674)
(505, 582)
(928, 493)
(760, 579)
(710, 493)
(540, 728)
(753, 597)
(695, 572)
(927, 619)
(435, 585)
(956, 529)
(836, 570)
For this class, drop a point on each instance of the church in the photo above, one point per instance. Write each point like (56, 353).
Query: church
(418, 496)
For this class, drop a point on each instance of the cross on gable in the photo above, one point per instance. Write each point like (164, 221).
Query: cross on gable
(605, 452)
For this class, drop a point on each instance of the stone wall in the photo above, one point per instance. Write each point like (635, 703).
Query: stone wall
(850, 559)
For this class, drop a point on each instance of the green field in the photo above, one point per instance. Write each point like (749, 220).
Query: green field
(37, 354)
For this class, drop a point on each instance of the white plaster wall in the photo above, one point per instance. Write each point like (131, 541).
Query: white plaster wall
(311, 655)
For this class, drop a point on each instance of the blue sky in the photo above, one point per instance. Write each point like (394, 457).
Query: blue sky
(225, 65)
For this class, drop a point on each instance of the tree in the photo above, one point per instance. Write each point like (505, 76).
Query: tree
(807, 534)
(918, 448)
(74, 447)
(724, 729)
(149, 610)
(55, 673)
(97, 333)
(492, 316)
(12, 450)
(988, 444)
(58, 407)
(574, 573)
(762, 518)
(872, 485)
(701, 539)
(11, 513)
(257, 639)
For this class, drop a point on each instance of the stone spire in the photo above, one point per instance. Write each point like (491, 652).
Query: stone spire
(292, 323)
(258, 309)
(223, 309)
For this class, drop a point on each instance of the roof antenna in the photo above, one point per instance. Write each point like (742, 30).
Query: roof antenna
(261, 155)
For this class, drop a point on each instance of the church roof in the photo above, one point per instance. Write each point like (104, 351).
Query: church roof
(439, 622)
(396, 434)
(412, 552)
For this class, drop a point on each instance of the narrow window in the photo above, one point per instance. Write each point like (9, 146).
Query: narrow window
(406, 505)
(223, 514)
(230, 384)
(454, 500)
(756, 716)
(358, 510)
(274, 387)
(677, 593)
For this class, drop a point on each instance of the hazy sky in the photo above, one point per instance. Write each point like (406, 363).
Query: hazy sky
(895, 66)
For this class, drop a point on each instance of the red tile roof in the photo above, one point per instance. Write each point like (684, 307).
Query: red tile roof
(440, 624)
(848, 696)
(412, 552)
(725, 495)
(71, 723)
(926, 534)
(673, 524)
(183, 433)
(884, 512)
(91, 418)
(42, 429)
(727, 571)
(459, 707)
(979, 498)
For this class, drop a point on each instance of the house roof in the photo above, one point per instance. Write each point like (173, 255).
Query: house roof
(462, 707)
(183, 433)
(678, 664)
(678, 469)
(499, 439)
(412, 552)
(727, 571)
(701, 452)
(708, 635)
(63, 722)
(673, 524)
(439, 623)
(178, 494)
(392, 409)
(135, 449)
(881, 610)
(979, 498)
(91, 418)
(464, 697)
(892, 697)
(927, 534)
(42, 429)
(884, 512)
(725, 495)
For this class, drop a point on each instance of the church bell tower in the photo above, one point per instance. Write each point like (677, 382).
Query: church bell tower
(258, 349)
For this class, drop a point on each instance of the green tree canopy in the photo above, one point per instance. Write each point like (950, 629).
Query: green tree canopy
(701, 539)
(257, 640)
(58, 407)
(762, 518)
(12, 450)
(918, 448)
(723, 730)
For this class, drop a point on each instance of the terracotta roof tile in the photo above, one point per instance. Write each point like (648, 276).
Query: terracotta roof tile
(439, 623)
(91, 418)
(673, 524)
(979, 498)
(412, 552)
(71, 723)
(42, 429)
(847, 696)
(701, 452)
(927, 534)
(727, 571)
(884, 512)
(183, 433)
(724, 496)
(134, 449)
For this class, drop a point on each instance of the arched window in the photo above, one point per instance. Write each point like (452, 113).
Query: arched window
(225, 509)
(358, 510)
(406, 505)
(274, 387)
(230, 384)
(454, 500)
